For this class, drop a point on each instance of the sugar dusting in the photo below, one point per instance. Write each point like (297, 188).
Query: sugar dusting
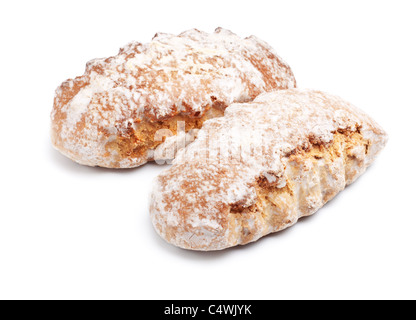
(204, 184)
(170, 75)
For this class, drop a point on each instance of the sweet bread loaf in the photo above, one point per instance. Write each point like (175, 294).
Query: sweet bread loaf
(261, 167)
(108, 117)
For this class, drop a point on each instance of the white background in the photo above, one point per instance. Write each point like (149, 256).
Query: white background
(73, 232)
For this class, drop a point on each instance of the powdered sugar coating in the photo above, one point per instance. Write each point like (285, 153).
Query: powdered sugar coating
(192, 202)
(171, 75)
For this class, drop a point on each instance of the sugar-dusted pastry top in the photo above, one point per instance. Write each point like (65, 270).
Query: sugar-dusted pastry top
(172, 75)
(298, 147)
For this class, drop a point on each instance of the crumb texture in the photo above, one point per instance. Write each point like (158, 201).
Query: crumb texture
(261, 167)
(98, 118)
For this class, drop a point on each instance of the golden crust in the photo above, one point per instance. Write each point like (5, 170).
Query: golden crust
(304, 147)
(106, 117)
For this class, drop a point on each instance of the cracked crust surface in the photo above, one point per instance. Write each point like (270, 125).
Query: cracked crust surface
(108, 116)
(261, 167)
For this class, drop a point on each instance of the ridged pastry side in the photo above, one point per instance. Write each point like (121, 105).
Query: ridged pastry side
(109, 116)
(287, 154)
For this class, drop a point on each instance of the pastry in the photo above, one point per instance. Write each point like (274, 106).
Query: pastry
(109, 116)
(261, 167)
